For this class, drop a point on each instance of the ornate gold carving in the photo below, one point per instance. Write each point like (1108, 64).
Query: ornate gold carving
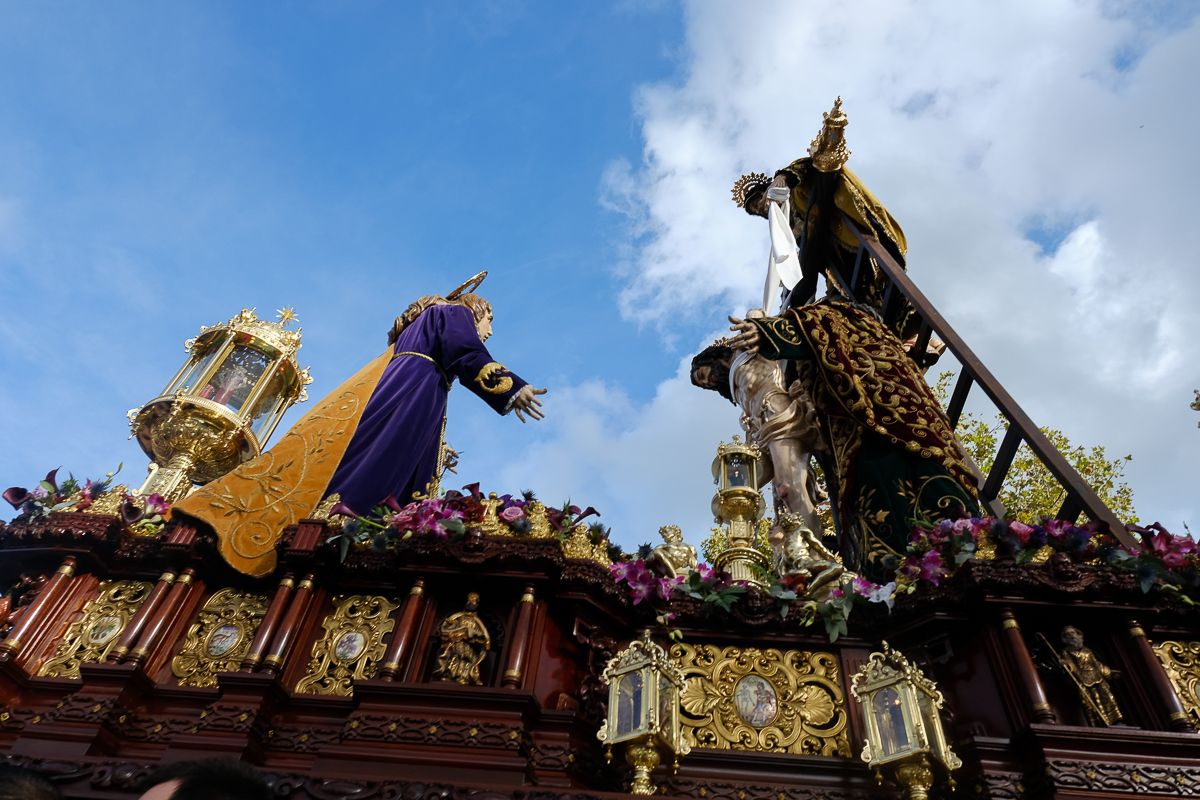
(767, 700)
(219, 638)
(1181, 660)
(579, 545)
(465, 643)
(828, 149)
(352, 646)
(88, 640)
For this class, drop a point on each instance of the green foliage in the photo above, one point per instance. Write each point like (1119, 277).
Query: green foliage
(1030, 492)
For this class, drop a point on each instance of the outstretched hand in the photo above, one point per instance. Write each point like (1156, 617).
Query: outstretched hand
(526, 403)
(747, 337)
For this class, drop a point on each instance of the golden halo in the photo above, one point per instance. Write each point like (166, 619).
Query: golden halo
(470, 285)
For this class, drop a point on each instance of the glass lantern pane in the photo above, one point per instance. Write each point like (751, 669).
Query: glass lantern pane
(889, 719)
(932, 723)
(186, 382)
(737, 472)
(667, 704)
(630, 700)
(268, 403)
(235, 378)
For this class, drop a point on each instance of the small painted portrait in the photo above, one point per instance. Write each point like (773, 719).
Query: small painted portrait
(349, 646)
(756, 701)
(222, 640)
(104, 629)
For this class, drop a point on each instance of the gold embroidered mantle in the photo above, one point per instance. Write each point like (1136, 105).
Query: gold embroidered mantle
(250, 507)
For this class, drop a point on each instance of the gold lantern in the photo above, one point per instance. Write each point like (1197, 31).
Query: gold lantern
(738, 504)
(643, 709)
(224, 403)
(904, 728)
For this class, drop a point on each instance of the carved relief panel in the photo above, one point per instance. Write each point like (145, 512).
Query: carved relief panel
(351, 647)
(88, 640)
(768, 700)
(219, 638)
(1181, 660)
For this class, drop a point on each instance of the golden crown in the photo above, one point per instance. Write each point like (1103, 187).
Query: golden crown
(746, 184)
(828, 150)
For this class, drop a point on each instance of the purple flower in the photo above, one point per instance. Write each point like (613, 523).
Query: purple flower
(512, 514)
(157, 504)
(16, 496)
(342, 510)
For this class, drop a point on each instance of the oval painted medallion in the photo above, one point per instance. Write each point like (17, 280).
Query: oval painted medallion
(756, 701)
(222, 640)
(349, 646)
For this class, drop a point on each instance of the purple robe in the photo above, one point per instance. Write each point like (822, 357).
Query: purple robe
(394, 450)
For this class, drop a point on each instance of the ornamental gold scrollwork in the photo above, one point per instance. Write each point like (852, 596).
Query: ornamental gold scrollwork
(351, 647)
(219, 638)
(88, 640)
(765, 700)
(1181, 660)
(579, 545)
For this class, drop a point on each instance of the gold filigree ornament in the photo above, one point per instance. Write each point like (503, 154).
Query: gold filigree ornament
(764, 700)
(828, 149)
(351, 647)
(219, 638)
(747, 185)
(1181, 660)
(579, 545)
(88, 639)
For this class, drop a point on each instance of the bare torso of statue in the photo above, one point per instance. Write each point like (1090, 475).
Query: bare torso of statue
(784, 426)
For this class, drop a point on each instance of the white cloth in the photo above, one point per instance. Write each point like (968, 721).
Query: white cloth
(783, 265)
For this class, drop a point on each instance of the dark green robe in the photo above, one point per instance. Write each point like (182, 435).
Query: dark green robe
(896, 458)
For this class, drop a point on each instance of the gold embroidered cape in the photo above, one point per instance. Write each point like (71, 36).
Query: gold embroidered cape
(249, 507)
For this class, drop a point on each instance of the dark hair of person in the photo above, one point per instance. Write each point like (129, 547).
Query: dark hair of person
(18, 783)
(211, 779)
(717, 357)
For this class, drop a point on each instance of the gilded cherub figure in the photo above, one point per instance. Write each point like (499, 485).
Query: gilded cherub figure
(674, 557)
(465, 643)
(800, 551)
(1091, 677)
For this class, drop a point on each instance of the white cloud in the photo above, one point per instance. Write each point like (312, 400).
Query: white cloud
(973, 122)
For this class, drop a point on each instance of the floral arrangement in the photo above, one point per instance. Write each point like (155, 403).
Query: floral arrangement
(934, 553)
(451, 515)
(144, 515)
(50, 496)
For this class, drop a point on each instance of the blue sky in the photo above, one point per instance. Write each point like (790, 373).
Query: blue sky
(162, 166)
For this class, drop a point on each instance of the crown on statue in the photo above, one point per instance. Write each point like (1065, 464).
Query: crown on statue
(747, 185)
(828, 150)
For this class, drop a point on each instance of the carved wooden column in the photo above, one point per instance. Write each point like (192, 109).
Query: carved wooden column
(47, 596)
(284, 637)
(1177, 717)
(135, 626)
(162, 618)
(1026, 672)
(269, 624)
(515, 667)
(406, 631)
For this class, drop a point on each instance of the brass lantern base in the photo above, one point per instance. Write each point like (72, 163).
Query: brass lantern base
(644, 758)
(743, 564)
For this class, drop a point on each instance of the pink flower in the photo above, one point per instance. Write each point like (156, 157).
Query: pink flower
(1021, 531)
(512, 514)
(932, 569)
(157, 504)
